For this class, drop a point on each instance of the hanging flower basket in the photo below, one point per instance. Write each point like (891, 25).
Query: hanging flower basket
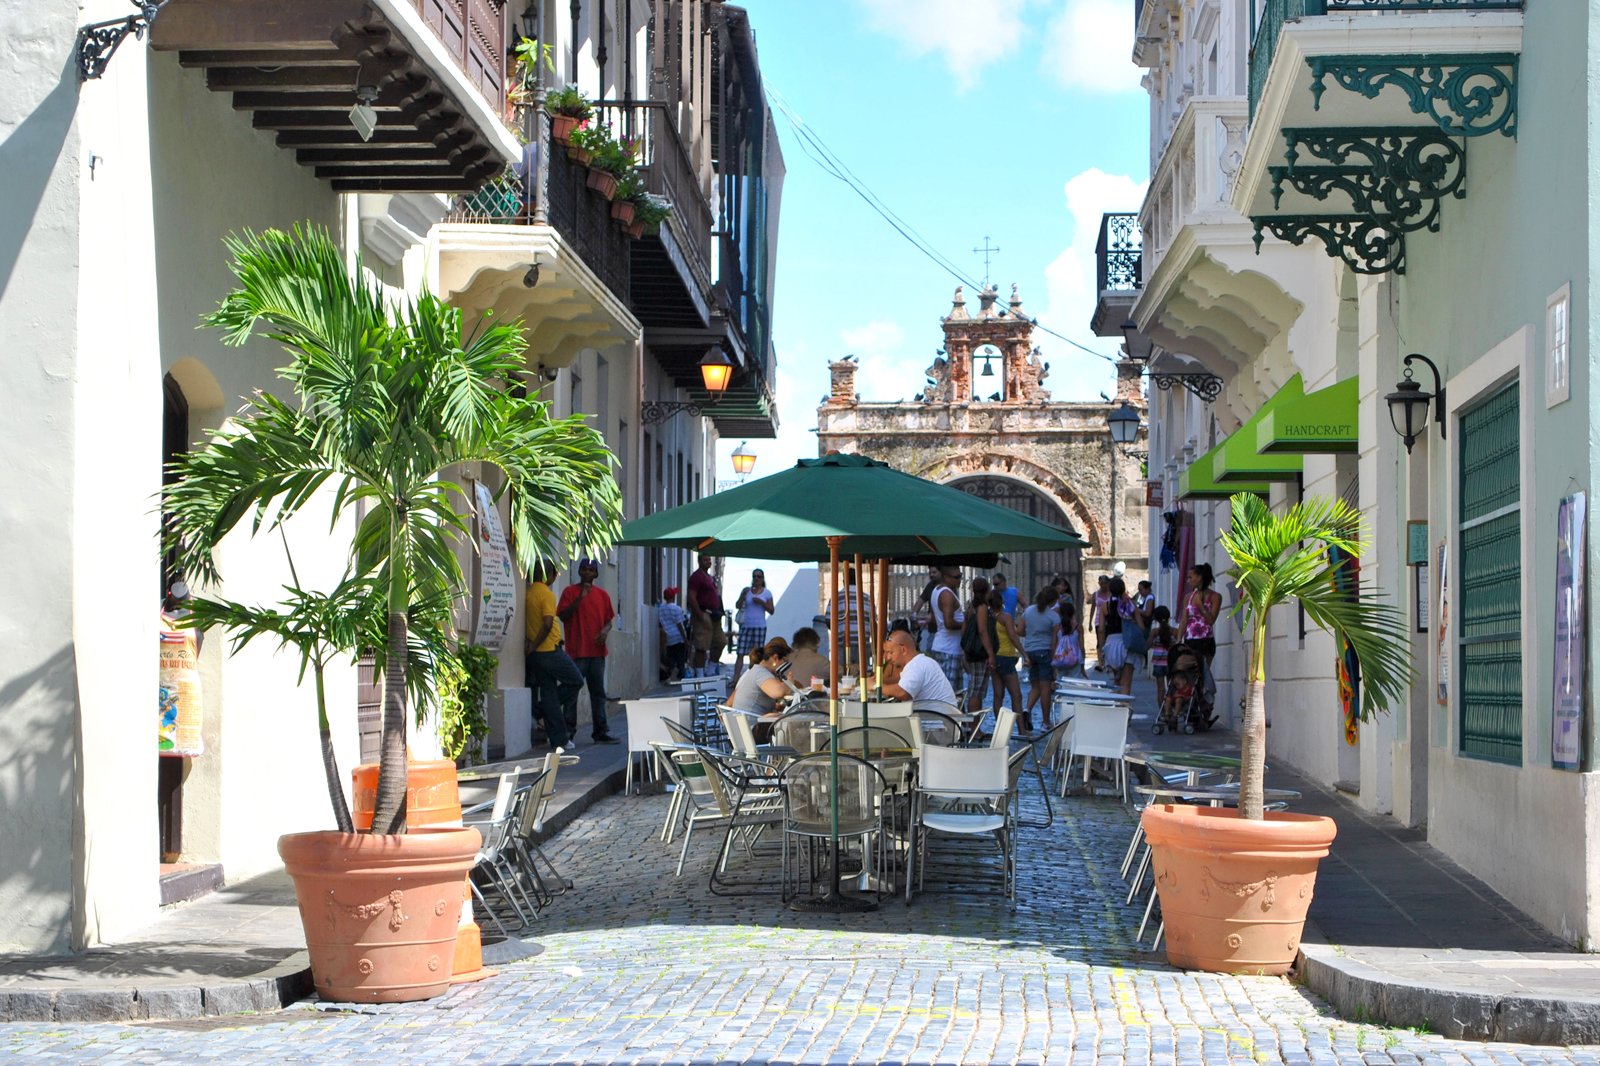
(580, 156)
(603, 182)
(634, 230)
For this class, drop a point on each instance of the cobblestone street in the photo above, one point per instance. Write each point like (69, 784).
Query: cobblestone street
(641, 967)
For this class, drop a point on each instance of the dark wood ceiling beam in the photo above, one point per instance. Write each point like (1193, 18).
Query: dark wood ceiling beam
(282, 78)
(399, 170)
(331, 100)
(264, 57)
(383, 183)
(383, 156)
(218, 25)
(289, 119)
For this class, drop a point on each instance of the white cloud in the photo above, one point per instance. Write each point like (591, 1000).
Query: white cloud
(887, 373)
(1088, 44)
(1070, 285)
(967, 34)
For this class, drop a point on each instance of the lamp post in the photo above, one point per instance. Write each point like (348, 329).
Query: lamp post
(716, 373)
(744, 460)
(1408, 404)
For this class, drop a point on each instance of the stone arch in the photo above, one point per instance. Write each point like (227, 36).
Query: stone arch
(1041, 479)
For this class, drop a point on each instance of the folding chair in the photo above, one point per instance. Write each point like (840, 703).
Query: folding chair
(978, 781)
(495, 820)
(748, 802)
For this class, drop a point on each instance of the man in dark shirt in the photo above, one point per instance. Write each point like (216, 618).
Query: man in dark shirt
(705, 611)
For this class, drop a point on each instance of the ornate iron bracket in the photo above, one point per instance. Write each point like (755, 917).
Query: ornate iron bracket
(1466, 95)
(1202, 383)
(1366, 244)
(98, 41)
(1395, 176)
(653, 411)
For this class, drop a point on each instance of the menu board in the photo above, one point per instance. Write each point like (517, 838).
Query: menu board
(498, 600)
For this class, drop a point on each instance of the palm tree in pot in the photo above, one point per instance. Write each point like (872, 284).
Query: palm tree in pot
(1235, 884)
(388, 400)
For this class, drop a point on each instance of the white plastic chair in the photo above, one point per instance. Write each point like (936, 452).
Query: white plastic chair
(1005, 720)
(978, 780)
(645, 728)
(1099, 731)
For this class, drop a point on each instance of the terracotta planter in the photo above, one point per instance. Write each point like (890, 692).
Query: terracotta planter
(635, 230)
(581, 156)
(432, 795)
(603, 182)
(1234, 894)
(622, 211)
(380, 912)
(561, 127)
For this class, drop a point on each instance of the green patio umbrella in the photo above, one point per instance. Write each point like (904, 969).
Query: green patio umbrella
(838, 506)
(877, 511)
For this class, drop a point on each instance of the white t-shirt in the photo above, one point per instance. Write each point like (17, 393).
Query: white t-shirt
(923, 680)
(753, 615)
(946, 641)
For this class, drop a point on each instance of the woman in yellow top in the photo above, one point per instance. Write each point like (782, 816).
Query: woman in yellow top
(1007, 651)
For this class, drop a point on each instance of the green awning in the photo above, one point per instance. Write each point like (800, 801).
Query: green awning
(1238, 463)
(1196, 483)
(1320, 423)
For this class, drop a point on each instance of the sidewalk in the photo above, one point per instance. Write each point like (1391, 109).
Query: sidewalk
(241, 948)
(1400, 935)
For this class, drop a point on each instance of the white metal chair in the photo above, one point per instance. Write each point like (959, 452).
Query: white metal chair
(494, 819)
(808, 793)
(1099, 731)
(526, 842)
(645, 727)
(1005, 720)
(688, 777)
(977, 781)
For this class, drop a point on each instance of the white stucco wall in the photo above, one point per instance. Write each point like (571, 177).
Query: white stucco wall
(40, 160)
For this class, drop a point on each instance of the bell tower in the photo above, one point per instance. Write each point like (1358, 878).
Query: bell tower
(989, 357)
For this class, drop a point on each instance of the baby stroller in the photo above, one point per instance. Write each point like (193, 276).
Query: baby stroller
(1187, 707)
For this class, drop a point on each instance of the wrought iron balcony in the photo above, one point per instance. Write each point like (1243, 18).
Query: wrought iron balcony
(1265, 34)
(1119, 271)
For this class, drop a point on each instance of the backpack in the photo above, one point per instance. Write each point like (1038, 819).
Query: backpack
(972, 643)
(1065, 656)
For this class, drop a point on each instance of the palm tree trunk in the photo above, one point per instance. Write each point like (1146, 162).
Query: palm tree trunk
(389, 813)
(1253, 732)
(330, 763)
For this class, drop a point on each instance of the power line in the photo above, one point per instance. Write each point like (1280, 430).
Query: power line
(813, 145)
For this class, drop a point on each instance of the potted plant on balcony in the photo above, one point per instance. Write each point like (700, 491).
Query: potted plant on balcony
(386, 400)
(612, 161)
(568, 111)
(585, 141)
(1235, 884)
(649, 211)
(529, 55)
(630, 188)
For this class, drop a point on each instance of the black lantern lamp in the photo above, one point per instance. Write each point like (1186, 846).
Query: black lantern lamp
(1124, 424)
(1408, 403)
(716, 371)
(530, 21)
(1137, 347)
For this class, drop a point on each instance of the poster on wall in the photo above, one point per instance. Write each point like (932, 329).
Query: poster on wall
(1442, 652)
(1566, 740)
(499, 598)
(178, 728)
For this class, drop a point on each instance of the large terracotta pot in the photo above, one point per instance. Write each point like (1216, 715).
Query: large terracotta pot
(380, 912)
(1234, 893)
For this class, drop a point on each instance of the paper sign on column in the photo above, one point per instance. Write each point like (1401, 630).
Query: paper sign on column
(499, 598)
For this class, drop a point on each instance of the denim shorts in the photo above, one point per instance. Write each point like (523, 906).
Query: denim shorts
(1005, 665)
(1040, 672)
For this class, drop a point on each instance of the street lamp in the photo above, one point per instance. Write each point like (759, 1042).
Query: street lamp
(1124, 424)
(744, 460)
(716, 371)
(1137, 345)
(1408, 404)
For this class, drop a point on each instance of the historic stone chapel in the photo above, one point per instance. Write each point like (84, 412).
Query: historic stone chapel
(986, 424)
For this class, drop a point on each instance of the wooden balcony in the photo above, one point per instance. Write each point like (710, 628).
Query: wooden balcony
(436, 69)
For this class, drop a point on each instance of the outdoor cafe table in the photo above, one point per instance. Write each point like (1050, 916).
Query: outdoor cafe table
(1194, 763)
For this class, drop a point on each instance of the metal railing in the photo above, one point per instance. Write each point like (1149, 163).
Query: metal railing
(1118, 253)
(668, 171)
(1264, 35)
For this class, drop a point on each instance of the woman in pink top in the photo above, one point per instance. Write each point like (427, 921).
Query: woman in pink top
(1200, 609)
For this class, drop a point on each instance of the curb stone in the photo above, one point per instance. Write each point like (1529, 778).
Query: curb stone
(1363, 993)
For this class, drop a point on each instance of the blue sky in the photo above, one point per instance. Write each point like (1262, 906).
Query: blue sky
(1019, 120)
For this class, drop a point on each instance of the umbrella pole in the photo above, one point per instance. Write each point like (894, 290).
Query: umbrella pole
(861, 652)
(834, 900)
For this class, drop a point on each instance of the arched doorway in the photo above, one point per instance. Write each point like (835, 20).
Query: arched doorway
(1027, 572)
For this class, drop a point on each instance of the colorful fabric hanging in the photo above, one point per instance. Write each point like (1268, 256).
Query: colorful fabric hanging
(1347, 579)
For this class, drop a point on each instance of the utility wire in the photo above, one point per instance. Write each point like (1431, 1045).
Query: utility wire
(813, 145)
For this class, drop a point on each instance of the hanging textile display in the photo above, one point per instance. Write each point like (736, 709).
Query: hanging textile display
(1571, 634)
(1347, 579)
(179, 718)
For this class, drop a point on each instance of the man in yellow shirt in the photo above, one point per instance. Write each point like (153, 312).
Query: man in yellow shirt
(552, 676)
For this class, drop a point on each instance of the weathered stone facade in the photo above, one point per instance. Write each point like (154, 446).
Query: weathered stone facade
(1062, 451)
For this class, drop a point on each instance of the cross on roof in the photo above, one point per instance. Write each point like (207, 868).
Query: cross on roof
(985, 251)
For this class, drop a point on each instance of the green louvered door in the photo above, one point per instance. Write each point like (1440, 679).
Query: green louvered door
(1491, 580)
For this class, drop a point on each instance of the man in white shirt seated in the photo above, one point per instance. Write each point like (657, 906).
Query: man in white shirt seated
(920, 677)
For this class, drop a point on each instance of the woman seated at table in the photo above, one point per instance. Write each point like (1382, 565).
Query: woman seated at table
(760, 690)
